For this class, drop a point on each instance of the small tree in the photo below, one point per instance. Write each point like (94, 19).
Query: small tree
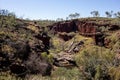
(117, 15)
(109, 14)
(4, 12)
(95, 13)
(59, 19)
(7, 18)
(74, 16)
(67, 18)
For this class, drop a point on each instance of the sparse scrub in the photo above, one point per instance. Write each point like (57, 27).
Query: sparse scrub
(23, 44)
(67, 74)
(95, 62)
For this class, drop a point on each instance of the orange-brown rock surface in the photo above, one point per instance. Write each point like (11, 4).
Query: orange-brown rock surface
(88, 28)
(68, 26)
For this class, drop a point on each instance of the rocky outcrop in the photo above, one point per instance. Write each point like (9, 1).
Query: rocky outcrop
(44, 38)
(68, 26)
(88, 29)
(75, 47)
(66, 58)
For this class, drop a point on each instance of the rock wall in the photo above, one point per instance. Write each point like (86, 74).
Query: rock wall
(87, 29)
(68, 26)
(84, 28)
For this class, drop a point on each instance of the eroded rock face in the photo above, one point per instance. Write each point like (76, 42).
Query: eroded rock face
(44, 38)
(69, 26)
(64, 59)
(84, 28)
(88, 29)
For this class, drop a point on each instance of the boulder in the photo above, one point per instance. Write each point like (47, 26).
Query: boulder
(64, 59)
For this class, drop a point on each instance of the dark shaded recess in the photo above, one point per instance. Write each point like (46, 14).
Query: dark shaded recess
(92, 71)
(18, 69)
(73, 62)
(56, 62)
(4, 65)
(114, 27)
(44, 38)
(65, 37)
(99, 40)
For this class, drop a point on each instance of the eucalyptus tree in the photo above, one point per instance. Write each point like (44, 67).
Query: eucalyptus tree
(74, 16)
(117, 15)
(95, 13)
(109, 14)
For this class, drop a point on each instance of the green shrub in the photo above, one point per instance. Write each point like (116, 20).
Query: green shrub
(114, 40)
(47, 57)
(8, 76)
(95, 62)
(114, 73)
(68, 74)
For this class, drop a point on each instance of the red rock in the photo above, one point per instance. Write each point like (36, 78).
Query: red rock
(85, 28)
(64, 27)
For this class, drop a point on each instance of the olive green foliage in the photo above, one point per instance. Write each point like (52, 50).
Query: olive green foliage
(103, 29)
(47, 57)
(8, 76)
(57, 45)
(68, 74)
(94, 62)
(7, 19)
(114, 73)
(114, 41)
(45, 23)
(102, 20)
